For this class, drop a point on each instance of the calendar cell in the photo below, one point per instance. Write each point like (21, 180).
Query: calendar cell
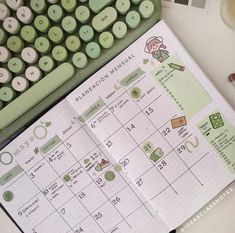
(136, 163)
(151, 183)
(42, 174)
(57, 193)
(73, 212)
(61, 159)
(140, 128)
(120, 228)
(120, 144)
(92, 197)
(172, 167)
(80, 144)
(124, 108)
(76, 178)
(48, 225)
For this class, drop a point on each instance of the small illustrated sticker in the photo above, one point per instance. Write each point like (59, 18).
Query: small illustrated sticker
(135, 92)
(67, 178)
(154, 45)
(176, 67)
(103, 164)
(178, 122)
(156, 154)
(36, 150)
(148, 147)
(216, 120)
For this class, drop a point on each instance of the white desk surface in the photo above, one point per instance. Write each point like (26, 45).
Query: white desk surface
(212, 45)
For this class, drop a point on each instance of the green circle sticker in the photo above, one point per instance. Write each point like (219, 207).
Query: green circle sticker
(8, 196)
(135, 92)
(148, 147)
(109, 175)
(67, 178)
(117, 168)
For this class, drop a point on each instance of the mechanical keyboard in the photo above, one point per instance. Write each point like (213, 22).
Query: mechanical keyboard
(47, 48)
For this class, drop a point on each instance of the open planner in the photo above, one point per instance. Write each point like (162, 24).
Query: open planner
(140, 146)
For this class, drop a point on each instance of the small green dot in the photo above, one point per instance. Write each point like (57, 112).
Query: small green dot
(109, 175)
(8, 196)
(135, 92)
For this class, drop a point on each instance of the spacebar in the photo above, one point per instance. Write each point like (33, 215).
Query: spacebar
(35, 94)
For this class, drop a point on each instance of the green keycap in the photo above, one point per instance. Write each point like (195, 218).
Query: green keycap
(56, 34)
(42, 23)
(3, 36)
(46, 63)
(119, 29)
(28, 33)
(59, 53)
(39, 6)
(73, 43)
(16, 65)
(55, 13)
(80, 60)
(42, 44)
(7, 94)
(97, 6)
(104, 19)
(69, 5)
(15, 44)
(86, 33)
(146, 9)
(133, 19)
(82, 14)
(93, 50)
(136, 1)
(106, 40)
(69, 24)
(123, 6)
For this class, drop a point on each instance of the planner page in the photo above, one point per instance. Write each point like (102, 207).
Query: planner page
(57, 177)
(158, 115)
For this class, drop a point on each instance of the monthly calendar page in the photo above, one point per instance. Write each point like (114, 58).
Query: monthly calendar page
(139, 147)
(156, 113)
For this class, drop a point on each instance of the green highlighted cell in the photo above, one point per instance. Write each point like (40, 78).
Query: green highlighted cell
(132, 77)
(91, 111)
(15, 171)
(8, 196)
(109, 175)
(50, 145)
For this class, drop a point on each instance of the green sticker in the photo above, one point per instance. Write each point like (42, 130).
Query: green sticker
(86, 161)
(8, 196)
(117, 168)
(156, 154)
(148, 147)
(216, 120)
(109, 175)
(220, 134)
(135, 92)
(67, 178)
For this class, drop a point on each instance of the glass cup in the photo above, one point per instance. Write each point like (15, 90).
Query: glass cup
(227, 12)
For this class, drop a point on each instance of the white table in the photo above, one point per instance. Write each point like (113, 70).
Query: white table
(211, 44)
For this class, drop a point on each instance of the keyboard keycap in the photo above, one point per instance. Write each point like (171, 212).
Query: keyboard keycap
(33, 73)
(39, 6)
(46, 63)
(69, 5)
(82, 14)
(97, 6)
(3, 36)
(20, 84)
(6, 94)
(28, 33)
(133, 19)
(11, 25)
(136, 1)
(59, 53)
(93, 50)
(73, 43)
(42, 44)
(42, 23)
(55, 13)
(35, 94)
(56, 35)
(80, 60)
(123, 6)
(15, 4)
(4, 11)
(119, 29)
(15, 44)
(86, 33)
(16, 65)
(106, 40)
(104, 19)
(69, 24)
(5, 75)
(29, 55)
(5, 54)
(146, 9)
(24, 14)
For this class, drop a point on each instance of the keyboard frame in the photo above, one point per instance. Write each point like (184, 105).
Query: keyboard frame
(15, 128)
